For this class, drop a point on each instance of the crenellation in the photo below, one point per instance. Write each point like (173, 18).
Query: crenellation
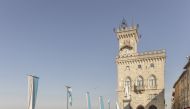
(158, 52)
(141, 60)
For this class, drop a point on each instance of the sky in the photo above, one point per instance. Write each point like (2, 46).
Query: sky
(67, 42)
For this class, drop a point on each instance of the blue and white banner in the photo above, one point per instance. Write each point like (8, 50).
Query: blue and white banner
(88, 100)
(108, 103)
(69, 92)
(32, 91)
(101, 102)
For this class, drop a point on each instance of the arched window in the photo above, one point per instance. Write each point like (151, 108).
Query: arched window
(152, 107)
(152, 81)
(140, 107)
(151, 65)
(139, 81)
(139, 66)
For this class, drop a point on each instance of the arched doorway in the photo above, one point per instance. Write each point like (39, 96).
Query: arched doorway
(140, 107)
(152, 107)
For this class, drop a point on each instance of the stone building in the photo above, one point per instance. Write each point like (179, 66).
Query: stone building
(181, 94)
(140, 75)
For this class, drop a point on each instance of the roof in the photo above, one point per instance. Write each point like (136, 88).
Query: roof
(188, 63)
(179, 78)
(185, 67)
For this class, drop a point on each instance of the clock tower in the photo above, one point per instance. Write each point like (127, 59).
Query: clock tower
(128, 38)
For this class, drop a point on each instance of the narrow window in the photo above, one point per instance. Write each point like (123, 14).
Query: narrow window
(139, 81)
(127, 68)
(152, 81)
(139, 66)
(151, 65)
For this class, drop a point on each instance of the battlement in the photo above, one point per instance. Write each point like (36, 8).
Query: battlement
(126, 29)
(156, 52)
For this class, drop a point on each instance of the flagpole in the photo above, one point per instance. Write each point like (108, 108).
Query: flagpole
(32, 91)
(109, 104)
(88, 100)
(67, 99)
(67, 96)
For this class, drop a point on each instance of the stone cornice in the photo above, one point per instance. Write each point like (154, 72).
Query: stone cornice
(141, 57)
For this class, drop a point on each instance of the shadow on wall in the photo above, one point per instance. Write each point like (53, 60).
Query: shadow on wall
(155, 102)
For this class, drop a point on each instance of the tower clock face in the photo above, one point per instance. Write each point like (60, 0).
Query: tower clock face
(122, 43)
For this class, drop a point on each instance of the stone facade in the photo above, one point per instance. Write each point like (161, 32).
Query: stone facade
(140, 75)
(181, 94)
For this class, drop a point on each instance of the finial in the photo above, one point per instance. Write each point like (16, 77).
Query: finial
(137, 26)
(133, 22)
(123, 23)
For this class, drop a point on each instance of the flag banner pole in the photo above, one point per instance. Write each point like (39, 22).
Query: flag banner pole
(69, 96)
(67, 99)
(108, 103)
(32, 91)
(101, 102)
(88, 100)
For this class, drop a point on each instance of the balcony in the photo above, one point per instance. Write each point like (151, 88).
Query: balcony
(152, 87)
(127, 100)
(139, 89)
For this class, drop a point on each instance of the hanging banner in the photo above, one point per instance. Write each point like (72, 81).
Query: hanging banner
(88, 100)
(101, 102)
(32, 91)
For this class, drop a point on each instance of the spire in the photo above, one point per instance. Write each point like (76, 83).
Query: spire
(123, 24)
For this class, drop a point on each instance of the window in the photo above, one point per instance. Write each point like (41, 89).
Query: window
(139, 66)
(152, 107)
(128, 82)
(152, 81)
(151, 65)
(127, 68)
(139, 81)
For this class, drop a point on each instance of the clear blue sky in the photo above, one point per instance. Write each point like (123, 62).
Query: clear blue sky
(67, 42)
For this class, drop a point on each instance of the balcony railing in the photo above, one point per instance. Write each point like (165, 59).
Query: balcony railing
(127, 99)
(152, 87)
(139, 89)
